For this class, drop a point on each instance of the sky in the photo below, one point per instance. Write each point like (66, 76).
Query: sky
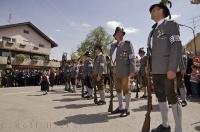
(68, 22)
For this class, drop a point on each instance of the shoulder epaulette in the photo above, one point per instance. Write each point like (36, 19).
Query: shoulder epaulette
(170, 21)
(127, 41)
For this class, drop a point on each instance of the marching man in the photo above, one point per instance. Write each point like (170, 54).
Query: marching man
(166, 54)
(122, 56)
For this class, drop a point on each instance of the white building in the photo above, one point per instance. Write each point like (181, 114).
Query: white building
(28, 46)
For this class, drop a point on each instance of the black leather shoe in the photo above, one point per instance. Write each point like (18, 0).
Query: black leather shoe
(88, 97)
(170, 106)
(184, 103)
(161, 128)
(125, 113)
(100, 102)
(86, 92)
(116, 111)
(143, 97)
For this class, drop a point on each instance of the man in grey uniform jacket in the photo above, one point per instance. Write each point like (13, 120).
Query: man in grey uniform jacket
(166, 54)
(87, 74)
(179, 81)
(98, 71)
(74, 73)
(142, 74)
(122, 59)
(67, 77)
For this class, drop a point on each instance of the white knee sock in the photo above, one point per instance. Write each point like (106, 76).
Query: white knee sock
(145, 91)
(120, 100)
(74, 88)
(85, 87)
(183, 93)
(164, 113)
(177, 113)
(90, 92)
(66, 86)
(127, 99)
(102, 95)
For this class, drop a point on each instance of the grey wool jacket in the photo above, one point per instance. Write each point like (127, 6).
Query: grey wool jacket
(124, 58)
(166, 48)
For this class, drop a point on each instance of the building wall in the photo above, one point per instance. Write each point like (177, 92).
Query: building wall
(28, 62)
(33, 38)
(190, 46)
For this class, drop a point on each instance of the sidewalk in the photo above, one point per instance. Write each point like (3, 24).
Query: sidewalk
(26, 109)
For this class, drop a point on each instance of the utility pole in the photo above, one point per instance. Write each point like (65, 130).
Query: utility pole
(9, 18)
(194, 24)
(194, 39)
(193, 28)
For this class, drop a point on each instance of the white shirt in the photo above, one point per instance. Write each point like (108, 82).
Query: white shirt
(114, 54)
(160, 22)
(100, 54)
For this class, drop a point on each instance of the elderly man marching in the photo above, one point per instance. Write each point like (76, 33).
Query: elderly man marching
(98, 70)
(87, 74)
(142, 74)
(166, 54)
(122, 59)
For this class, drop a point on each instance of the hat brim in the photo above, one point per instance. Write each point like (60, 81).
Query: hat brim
(87, 55)
(141, 52)
(166, 10)
(118, 31)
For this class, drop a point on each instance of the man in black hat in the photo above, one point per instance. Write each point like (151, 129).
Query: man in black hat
(98, 71)
(166, 54)
(141, 73)
(87, 74)
(67, 76)
(122, 60)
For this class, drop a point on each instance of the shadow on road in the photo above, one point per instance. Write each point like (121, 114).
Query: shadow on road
(74, 106)
(196, 127)
(67, 99)
(195, 123)
(144, 108)
(194, 100)
(72, 94)
(132, 99)
(86, 119)
(57, 92)
(36, 95)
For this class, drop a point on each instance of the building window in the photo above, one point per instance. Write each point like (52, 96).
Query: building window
(41, 45)
(26, 31)
(26, 42)
(14, 40)
(35, 48)
(6, 38)
(12, 54)
(6, 54)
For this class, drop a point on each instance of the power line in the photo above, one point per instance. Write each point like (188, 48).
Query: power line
(193, 22)
(196, 20)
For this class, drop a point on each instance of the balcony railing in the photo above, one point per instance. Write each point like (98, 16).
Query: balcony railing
(24, 47)
(27, 62)
(3, 60)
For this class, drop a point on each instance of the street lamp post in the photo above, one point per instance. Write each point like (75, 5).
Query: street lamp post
(195, 49)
